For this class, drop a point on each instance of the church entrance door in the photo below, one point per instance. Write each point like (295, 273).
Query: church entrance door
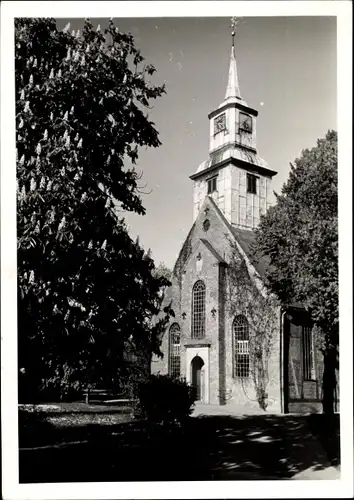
(198, 376)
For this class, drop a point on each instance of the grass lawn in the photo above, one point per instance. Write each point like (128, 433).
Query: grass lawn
(79, 442)
(57, 423)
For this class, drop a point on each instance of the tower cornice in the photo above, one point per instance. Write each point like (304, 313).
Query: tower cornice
(251, 167)
(229, 105)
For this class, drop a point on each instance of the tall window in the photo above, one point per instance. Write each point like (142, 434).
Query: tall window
(241, 347)
(198, 310)
(174, 351)
(251, 184)
(308, 354)
(212, 185)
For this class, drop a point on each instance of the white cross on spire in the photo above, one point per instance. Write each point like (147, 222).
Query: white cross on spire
(234, 22)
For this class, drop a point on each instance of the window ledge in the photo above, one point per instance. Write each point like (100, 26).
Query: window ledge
(197, 343)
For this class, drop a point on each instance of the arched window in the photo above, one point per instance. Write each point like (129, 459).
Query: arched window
(174, 367)
(241, 347)
(198, 310)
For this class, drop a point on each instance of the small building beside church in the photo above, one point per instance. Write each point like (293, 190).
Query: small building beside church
(229, 338)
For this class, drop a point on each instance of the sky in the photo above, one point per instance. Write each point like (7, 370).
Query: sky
(287, 71)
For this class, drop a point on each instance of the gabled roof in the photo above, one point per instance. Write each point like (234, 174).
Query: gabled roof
(246, 239)
(185, 250)
(213, 251)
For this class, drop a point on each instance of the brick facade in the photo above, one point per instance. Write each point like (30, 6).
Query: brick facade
(208, 255)
(205, 257)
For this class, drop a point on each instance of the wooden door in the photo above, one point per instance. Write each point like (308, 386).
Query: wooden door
(197, 376)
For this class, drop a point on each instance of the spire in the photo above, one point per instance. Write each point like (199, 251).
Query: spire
(233, 88)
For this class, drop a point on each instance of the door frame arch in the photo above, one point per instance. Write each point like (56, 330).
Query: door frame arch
(203, 351)
(197, 368)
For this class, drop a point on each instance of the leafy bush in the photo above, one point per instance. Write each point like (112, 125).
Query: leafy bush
(165, 400)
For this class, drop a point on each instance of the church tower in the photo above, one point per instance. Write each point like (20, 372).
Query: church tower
(234, 175)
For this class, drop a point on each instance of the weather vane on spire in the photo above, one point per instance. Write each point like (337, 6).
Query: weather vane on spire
(234, 22)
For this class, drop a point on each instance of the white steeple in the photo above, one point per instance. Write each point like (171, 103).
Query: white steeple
(233, 93)
(233, 88)
(234, 175)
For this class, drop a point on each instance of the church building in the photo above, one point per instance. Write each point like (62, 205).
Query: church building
(237, 345)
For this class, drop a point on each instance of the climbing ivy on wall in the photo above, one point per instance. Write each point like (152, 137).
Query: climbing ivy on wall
(261, 311)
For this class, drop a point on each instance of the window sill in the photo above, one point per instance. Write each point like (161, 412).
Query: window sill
(197, 343)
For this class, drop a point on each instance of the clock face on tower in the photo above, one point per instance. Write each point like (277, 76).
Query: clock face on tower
(245, 123)
(220, 123)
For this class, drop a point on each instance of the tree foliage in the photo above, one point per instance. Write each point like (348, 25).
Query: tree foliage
(163, 271)
(299, 236)
(84, 287)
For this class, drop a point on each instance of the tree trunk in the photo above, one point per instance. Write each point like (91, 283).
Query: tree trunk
(329, 381)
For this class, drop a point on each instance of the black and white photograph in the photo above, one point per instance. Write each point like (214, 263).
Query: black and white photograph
(176, 236)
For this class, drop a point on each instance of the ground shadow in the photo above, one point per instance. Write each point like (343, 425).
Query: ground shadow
(271, 446)
(209, 448)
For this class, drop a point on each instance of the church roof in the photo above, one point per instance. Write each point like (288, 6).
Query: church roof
(245, 237)
(234, 152)
(213, 251)
(247, 240)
